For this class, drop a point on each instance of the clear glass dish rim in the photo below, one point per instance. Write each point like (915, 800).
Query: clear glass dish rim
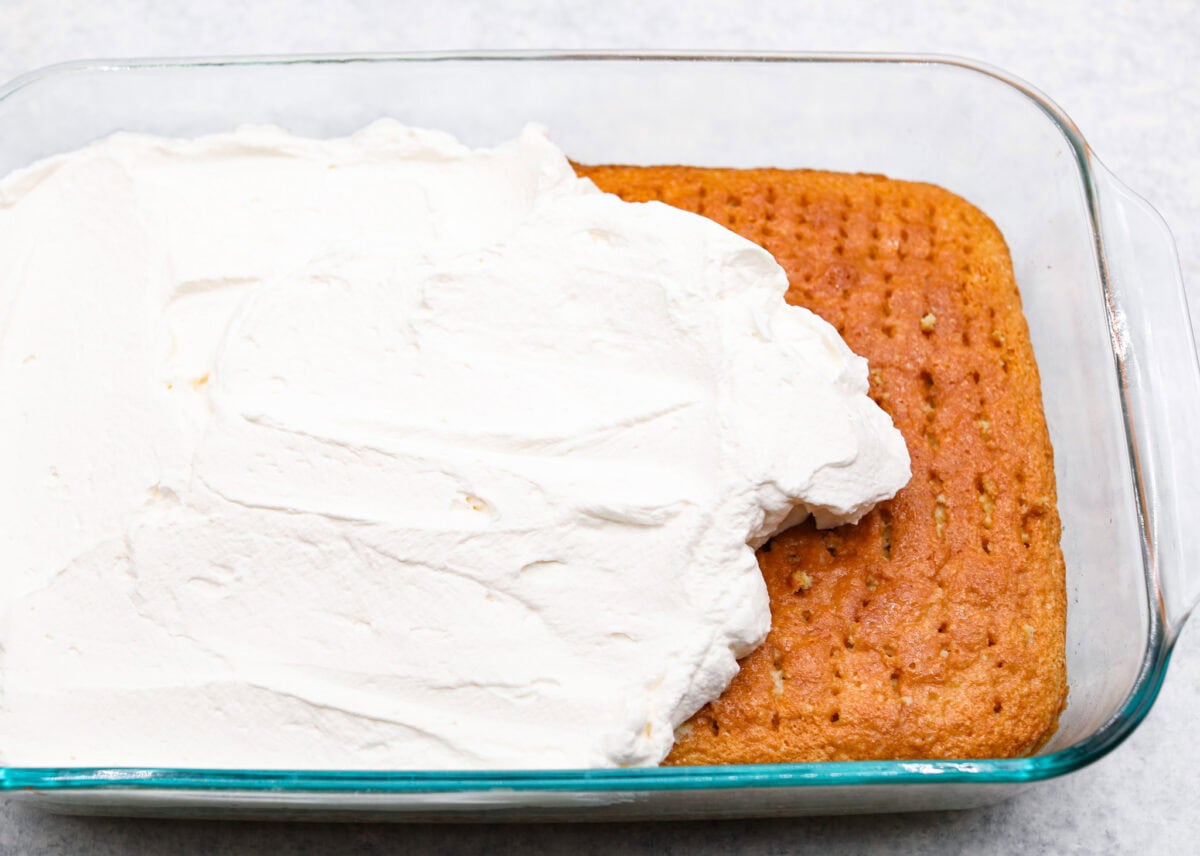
(988, 771)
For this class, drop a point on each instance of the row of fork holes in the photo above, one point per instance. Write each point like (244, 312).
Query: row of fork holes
(733, 202)
(894, 680)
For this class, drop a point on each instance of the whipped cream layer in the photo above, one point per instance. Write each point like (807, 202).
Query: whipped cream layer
(382, 452)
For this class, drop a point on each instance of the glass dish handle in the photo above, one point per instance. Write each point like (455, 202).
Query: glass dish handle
(1152, 333)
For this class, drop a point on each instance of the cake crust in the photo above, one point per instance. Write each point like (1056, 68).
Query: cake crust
(935, 628)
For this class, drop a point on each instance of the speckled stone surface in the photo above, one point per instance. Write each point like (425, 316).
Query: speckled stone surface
(1122, 70)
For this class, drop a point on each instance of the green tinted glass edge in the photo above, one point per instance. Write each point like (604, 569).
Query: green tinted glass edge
(820, 774)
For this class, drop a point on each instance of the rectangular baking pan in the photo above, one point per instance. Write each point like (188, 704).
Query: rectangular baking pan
(1101, 288)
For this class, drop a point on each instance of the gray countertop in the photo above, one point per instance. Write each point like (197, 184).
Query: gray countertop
(1124, 73)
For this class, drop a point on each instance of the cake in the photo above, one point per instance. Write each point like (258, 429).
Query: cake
(387, 399)
(935, 627)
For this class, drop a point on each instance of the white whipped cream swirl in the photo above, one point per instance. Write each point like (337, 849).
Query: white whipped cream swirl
(386, 453)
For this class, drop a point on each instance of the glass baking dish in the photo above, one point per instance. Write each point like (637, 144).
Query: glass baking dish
(1101, 287)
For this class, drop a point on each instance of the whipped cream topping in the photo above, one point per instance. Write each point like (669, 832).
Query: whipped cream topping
(382, 452)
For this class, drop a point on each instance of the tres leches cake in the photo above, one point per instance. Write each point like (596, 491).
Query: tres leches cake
(385, 453)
